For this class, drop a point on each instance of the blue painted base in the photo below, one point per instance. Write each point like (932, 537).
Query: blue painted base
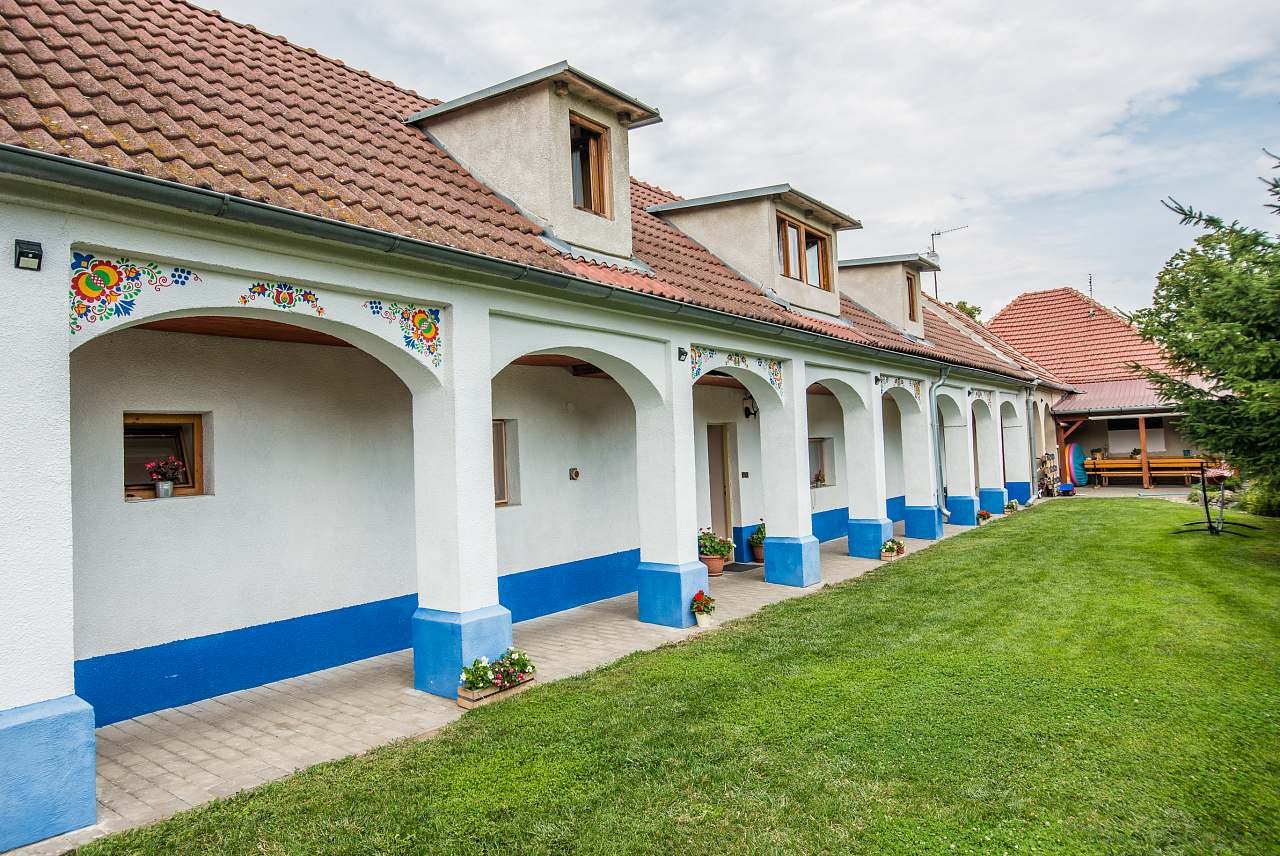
(131, 683)
(1021, 491)
(895, 508)
(866, 536)
(667, 590)
(963, 510)
(830, 524)
(543, 591)
(792, 561)
(741, 549)
(47, 770)
(443, 642)
(992, 499)
(924, 521)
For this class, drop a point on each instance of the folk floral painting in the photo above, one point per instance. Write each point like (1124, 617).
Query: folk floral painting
(419, 327)
(108, 288)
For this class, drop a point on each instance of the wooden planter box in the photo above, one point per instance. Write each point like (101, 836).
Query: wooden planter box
(468, 699)
(889, 557)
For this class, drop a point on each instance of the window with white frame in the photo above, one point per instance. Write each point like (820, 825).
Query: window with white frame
(821, 462)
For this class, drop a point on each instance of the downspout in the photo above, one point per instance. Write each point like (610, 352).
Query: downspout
(939, 472)
(1031, 441)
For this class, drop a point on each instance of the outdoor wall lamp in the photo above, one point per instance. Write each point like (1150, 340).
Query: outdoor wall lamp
(749, 408)
(27, 255)
(682, 354)
(876, 380)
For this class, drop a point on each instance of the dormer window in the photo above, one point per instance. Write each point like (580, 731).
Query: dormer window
(589, 157)
(913, 298)
(803, 254)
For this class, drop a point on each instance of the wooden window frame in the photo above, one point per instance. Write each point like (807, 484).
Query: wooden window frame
(599, 179)
(194, 455)
(913, 297)
(784, 256)
(501, 463)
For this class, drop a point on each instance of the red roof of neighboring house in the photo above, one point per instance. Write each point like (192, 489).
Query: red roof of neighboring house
(1134, 394)
(1076, 338)
(172, 91)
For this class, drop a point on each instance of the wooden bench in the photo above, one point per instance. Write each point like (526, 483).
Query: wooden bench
(1108, 468)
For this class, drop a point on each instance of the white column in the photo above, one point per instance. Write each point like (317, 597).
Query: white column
(666, 474)
(869, 524)
(459, 618)
(790, 550)
(46, 732)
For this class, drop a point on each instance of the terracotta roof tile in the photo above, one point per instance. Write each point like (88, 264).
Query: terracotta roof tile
(176, 92)
(1078, 339)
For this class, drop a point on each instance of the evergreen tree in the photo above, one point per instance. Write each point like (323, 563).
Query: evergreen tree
(1216, 315)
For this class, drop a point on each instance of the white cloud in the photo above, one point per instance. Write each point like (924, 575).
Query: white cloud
(909, 115)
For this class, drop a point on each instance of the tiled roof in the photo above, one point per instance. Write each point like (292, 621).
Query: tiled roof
(171, 91)
(1078, 339)
(1111, 395)
(993, 341)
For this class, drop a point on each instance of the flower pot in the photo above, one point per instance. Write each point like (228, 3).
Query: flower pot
(715, 565)
(757, 553)
(467, 699)
(889, 557)
(164, 489)
(703, 619)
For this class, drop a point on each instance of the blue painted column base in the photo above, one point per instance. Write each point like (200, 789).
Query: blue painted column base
(667, 590)
(1021, 491)
(963, 510)
(867, 536)
(444, 642)
(792, 561)
(47, 770)
(924, 521)
(992, 499)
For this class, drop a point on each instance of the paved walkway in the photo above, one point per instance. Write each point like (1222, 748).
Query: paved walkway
(162, 763)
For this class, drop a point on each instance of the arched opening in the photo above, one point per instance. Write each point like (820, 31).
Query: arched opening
(956, 441)
(1016, 459)
(565, 478)
(908, 459)
(294, 551)
(830, 405)
(988, 458)
(1037, 430)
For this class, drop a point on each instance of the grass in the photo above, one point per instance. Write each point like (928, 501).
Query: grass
(1072, 679)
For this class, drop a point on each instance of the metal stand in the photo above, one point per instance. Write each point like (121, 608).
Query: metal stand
(1212, 526)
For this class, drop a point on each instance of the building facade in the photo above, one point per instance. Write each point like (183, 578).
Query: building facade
(429, 369)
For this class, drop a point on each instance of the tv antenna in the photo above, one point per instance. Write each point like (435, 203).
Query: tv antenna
(1091, 295)
(932, 255)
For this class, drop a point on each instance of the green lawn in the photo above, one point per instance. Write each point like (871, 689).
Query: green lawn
(1073, 679)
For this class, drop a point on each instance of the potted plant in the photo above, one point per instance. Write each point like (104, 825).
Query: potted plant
(1136, 453)
(1096, 454)
(892, 549)
(483, 682)
(1011, 506)
(983, 516)
(756, 543)
(702, 606)
(164, 472)
(713, 551)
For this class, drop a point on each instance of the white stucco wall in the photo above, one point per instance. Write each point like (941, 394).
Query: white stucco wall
(719, 405)
(894, 478)
(883, 290)
(311, 503)
(826, 419)
(562, 422)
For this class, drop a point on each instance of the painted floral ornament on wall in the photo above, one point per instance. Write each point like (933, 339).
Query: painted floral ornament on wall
(102, 288)
(419, 327)
(703, 359)
(284, 296)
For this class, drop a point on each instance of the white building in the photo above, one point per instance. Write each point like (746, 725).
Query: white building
(432, 369)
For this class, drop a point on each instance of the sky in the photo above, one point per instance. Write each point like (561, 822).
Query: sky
(1051, 131)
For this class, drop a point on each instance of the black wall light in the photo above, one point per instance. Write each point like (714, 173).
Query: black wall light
(749, 408)
(682, 354)
(27, 255)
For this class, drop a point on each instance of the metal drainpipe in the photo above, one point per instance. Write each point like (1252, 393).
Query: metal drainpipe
(1031, 441)
(937, 438)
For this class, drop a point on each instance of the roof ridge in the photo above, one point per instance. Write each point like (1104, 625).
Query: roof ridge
(253, 28)
(656, 188)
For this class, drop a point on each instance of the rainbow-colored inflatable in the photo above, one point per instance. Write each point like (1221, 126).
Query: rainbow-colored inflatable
(1073, 470)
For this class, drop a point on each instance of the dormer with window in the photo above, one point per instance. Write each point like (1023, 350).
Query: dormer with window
(777, 237)
(890, 287)
(554, 142)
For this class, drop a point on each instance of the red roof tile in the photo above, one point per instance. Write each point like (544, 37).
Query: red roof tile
(167, 89)
(1134, 394)
(1078, 339)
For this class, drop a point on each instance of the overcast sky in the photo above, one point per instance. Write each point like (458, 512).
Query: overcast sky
(1051, 133)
